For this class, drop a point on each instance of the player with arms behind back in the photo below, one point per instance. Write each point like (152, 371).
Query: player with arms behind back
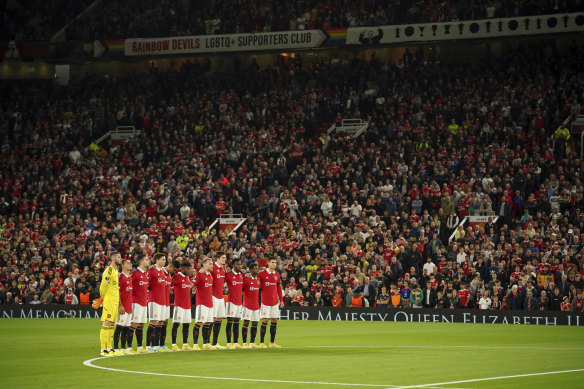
(124, 319)
(168, 273)
(272, 301)
(181, 283)
(218, 274)
(234, 280)
(140, 302)
(204, 310)
(251, 306)
(109, 296)
(156, 300)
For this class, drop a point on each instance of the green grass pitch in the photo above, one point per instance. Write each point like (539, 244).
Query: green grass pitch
(49, 353)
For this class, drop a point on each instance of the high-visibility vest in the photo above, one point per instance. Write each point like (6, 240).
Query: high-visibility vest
(357, 301)
(84, 298)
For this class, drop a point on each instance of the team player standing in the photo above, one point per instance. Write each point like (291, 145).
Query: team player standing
(143, 295)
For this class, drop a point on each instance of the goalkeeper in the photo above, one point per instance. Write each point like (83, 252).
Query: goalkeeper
(109, 293)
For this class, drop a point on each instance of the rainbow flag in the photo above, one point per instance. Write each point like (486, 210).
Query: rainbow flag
(109, 48)
(337, 37)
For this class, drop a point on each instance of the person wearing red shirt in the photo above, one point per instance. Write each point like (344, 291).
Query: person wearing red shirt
(125, 319)
(156, 295)
(251, 306)
(168, 272)
(204, 310)
(139, 302)
(463, 295)
(181, 284)
(218, 301)
(234, 280)
(272, 301)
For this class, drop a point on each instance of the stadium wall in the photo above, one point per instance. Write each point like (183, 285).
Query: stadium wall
(546, 318)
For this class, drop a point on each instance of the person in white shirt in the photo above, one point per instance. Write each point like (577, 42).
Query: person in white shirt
(356, 209)
(485, 301)
(429, 266)
(326, 206)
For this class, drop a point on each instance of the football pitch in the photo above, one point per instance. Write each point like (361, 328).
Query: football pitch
(63, 353)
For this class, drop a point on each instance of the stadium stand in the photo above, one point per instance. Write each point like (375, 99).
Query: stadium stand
(153, 18)
(445, 140)
(37, 20)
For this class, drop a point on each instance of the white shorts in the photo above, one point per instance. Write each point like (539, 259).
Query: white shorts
(233, 310)
(156, 312)
(181, 315)
(270, 311)
(249, 314)
(218, 308)
(166, 312)
(124, 320)
(203, 314)
(139, 314)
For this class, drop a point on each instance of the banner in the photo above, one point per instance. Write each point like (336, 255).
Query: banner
(284, 40)
(229, 223)
(481, 221)
(49, 312)
(471, 29)
(546, 318)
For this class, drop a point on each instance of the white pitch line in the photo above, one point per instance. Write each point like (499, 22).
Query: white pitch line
(452, 346)
(90, 364)
(488, 379)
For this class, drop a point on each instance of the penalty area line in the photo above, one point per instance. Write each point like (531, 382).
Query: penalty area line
(89, 363)
(435, 384)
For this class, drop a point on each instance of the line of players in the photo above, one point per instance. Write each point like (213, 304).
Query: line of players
(145, 297)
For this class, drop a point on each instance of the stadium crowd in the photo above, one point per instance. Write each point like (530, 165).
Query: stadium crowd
(36, 20)
(155, 18)
(353, 222)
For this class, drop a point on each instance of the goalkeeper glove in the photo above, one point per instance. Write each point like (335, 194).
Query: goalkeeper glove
(97, 303)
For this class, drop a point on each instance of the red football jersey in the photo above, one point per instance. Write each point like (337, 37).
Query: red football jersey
(251, 293)
(156, 286)
(182, 290)
(218, 280)
(204, 284)
(235, 285)
(463, 295)
(270, 287)
(140, 287)
(168, 279)
(126, 295)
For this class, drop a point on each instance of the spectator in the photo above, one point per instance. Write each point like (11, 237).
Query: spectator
(485, 301)
(530, 303)
(383, 298)
(430, 296)
(556, 300)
